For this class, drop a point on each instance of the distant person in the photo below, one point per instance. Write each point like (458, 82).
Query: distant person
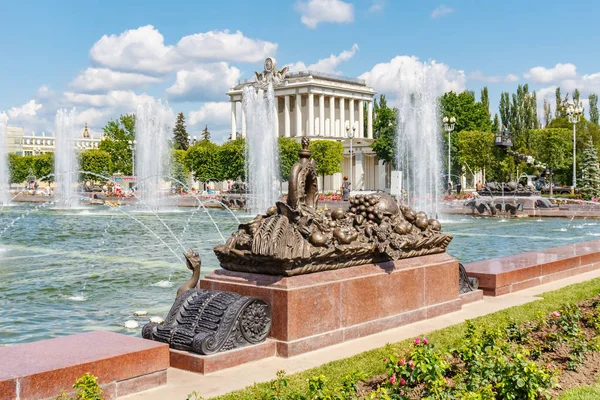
(479, 186)
(450, 188)
(345, 189)
(458, 188)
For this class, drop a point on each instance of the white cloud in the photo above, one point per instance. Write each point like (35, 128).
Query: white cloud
(407, 74)
(93, 116)
(204, 82)
(441, 10)
(480, 76)
(226, 46)
(548, 75)
(144, 50)
(211, 113)
(376, 6)
(102, 79)
(328, 64)
(313, 12)
(25, 111)
(126, 100)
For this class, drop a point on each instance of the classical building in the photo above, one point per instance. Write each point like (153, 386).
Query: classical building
(321, 106)
(31, 145)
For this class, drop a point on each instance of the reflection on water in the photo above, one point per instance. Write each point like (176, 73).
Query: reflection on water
(65, 272)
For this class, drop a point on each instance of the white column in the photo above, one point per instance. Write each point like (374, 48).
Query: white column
(342, 132)
(233, 117)
(298, 115)
(322, 117)
(359, 171)
(361, 119)
(276, 122)
(243, 122)
(351, 117)
(370, 120)
(286, 116)
(311, 114)
(332, 116)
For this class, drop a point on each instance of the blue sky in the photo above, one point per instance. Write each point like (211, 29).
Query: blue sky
(47, 46)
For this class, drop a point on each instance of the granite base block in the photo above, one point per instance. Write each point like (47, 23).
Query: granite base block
(500, 276)
(316, 310)
(206, 364)
(42, 369)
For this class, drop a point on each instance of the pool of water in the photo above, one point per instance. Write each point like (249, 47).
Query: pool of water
(69, 271)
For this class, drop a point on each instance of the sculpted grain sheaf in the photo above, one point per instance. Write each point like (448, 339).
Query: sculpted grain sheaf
(293, 238)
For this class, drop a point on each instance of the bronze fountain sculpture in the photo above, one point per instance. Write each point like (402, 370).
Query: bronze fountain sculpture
(293, 238)
(210, 321)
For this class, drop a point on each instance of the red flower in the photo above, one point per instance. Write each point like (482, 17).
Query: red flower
(418, 341)
(393, 379)
(425, 341)
(402, 382)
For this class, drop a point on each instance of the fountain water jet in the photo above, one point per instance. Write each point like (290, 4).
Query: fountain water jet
(4, 174)
(418, 133)
(153, 123)
(262, 152)
(65, 161)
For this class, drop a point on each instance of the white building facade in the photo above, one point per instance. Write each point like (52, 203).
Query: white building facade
(323, 107)
(33, 145)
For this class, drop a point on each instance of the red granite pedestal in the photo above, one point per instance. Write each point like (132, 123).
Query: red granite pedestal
(122, 364)
(316, 310)
(500, 276)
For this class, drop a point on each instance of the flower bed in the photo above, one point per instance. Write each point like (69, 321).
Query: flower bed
(535, 359)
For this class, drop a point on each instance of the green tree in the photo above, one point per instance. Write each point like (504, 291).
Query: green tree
(496, 123)
(384, 130)
(559, 102)
(576, 96)
(593, 98)
(178, 169)
(504, 109)
(470, 114)
(476, 150)
(202, 159)
(96, 161)
(590, 172)
(18, 167)
(117, 135)
(485, 100)
(553, 148)
(180, 135)
(547, 113)
(43, 166)
(288, 155)
(328, 155)
(205, 134)
(232, 158)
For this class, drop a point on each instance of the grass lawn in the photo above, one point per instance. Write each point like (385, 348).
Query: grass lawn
(591, 392)
(371, 362)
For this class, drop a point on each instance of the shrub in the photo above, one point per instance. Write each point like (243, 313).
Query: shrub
(86, 388)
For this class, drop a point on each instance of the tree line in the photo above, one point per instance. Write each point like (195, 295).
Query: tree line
(547, 138)
(205, 160)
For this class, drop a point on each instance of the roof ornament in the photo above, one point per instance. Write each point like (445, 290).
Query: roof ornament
(271, 75)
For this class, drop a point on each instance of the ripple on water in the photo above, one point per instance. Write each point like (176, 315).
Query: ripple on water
(163, 284)
(75, 297)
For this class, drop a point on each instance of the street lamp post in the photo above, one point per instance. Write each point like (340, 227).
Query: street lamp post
(449, 127)
(132, 144)
(350, 133)
(574, 113)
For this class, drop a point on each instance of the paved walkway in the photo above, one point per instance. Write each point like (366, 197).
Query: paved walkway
(181, 383)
